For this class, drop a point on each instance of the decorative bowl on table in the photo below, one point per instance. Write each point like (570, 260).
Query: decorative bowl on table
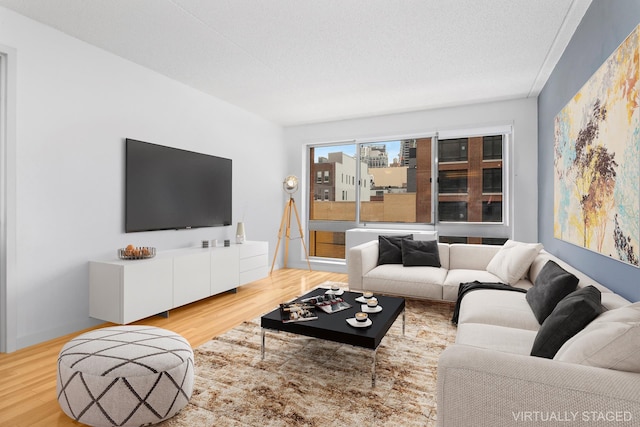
(140, 252)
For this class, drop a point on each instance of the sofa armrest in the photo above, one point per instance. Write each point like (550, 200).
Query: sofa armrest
(362, 259)
(482, 387)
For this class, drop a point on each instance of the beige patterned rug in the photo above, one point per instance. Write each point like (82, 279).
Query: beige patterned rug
(311, 382)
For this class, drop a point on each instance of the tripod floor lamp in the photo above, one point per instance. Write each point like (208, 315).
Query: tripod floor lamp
(290, 186)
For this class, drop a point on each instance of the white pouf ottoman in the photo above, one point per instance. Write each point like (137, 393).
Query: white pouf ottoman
(125, 376)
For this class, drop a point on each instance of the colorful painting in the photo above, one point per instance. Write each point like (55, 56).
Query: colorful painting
(597, 159)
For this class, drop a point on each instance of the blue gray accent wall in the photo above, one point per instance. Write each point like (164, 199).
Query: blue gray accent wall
(605, 25)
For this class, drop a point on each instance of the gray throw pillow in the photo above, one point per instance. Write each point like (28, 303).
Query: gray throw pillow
(569, 317)
(552, 284)
(390, 249)
(420, 253)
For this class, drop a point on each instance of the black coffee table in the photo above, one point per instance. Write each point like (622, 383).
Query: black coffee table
(334, 327)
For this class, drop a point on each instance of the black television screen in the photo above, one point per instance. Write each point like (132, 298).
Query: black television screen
(168, 188)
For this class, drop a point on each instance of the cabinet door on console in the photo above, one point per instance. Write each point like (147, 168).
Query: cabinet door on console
(224, 269)
(191, 277)
(147, 288)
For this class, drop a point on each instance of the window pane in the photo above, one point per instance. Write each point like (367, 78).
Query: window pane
(398, 188)
(467, 178)
(326, 244)
(332, 200)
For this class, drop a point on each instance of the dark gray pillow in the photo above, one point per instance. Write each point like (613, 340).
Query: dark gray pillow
(420, 253)
(569, 317)
(552, 284)
(390, 249)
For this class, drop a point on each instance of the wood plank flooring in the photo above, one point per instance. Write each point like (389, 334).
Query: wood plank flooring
(28, 376)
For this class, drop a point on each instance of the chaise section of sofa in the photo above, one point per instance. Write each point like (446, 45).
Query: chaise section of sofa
(483, 387)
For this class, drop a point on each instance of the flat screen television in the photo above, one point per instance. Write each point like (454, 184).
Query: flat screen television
(169, 188)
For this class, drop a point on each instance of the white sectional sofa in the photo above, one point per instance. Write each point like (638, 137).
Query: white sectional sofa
(488, 377)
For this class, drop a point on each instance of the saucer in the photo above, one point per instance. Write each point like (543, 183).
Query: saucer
(353, 322)
(363, 299)
(332, 292)
(367, 309)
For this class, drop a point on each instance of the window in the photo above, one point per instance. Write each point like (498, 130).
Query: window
(407, 181)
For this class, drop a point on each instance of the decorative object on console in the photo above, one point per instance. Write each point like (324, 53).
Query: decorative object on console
(227, 242)
(240, 233)
(290, 186)
(205, 243)
(132, 252)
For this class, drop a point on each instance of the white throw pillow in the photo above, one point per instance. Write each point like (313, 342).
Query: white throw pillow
(611, 340)
(513, 260)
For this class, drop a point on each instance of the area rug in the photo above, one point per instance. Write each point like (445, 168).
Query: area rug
(311, 382)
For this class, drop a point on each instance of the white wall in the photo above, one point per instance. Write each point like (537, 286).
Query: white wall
(75, 105)
(521, 114)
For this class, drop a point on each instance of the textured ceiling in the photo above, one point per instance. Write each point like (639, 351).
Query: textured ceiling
(304, 61)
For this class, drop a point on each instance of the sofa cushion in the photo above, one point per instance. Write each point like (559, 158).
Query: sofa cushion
(496, 307)
(552, 285)
(390, 249)
(500, 338)
(611, 341)
(417, 253)
(569, 317)
(471, 256)
(512, 261)
(416, 282)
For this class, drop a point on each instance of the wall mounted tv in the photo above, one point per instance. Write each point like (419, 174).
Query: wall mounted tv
(168, 188)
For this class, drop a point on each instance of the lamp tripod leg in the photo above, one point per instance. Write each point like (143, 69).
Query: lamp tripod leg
(275, 255)
(287, 233)
(306, 254)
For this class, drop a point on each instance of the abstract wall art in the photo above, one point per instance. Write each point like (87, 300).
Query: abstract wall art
(597, 159)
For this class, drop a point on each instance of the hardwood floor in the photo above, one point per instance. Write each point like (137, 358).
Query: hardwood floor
(28, 376)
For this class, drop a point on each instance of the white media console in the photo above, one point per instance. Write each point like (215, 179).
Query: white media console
(123, 291)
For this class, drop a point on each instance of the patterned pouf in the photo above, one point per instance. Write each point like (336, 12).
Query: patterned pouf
(125, 376)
